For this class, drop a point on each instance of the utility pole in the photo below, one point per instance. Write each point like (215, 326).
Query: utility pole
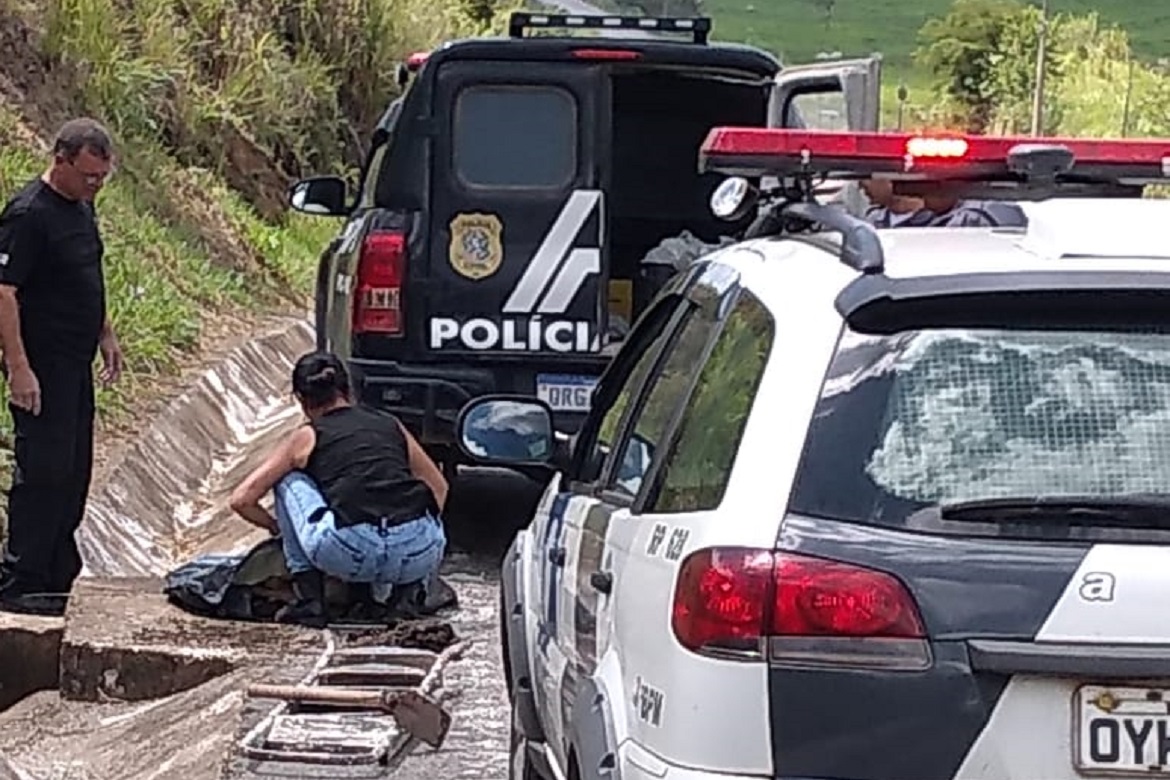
(1041, 69)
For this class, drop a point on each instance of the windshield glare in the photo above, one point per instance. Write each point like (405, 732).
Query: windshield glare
(943, 416)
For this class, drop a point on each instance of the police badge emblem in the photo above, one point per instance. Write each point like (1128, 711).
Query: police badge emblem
(477, 245)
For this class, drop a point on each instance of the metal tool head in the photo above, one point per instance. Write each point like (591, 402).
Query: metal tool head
(420, 716)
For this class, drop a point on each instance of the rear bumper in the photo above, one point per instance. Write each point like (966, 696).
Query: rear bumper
(638, 764)
(428, 397)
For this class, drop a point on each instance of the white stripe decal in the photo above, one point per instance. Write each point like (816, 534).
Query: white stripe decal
(582, 262)
(1114, 597)
(553, 251)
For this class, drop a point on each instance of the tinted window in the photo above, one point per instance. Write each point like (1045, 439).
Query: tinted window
(665, 392)
(511, 136)
(696, 471)
(935, 417)
(654, 329)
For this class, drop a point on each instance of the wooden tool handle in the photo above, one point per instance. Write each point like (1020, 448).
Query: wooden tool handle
(322, 695)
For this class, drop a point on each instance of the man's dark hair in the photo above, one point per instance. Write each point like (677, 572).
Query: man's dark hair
(82, 134)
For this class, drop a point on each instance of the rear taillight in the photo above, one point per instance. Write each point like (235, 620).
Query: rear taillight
(748, 603)
(378, 293)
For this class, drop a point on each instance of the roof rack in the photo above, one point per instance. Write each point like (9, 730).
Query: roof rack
(699, 27)
(985, 167)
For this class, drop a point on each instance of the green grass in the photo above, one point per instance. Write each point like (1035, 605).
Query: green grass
(798, 29)
(161, 278)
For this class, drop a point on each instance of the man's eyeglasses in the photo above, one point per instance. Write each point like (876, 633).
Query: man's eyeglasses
(92, 178)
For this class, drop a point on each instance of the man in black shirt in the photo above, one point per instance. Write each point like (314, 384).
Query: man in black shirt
(52, 324)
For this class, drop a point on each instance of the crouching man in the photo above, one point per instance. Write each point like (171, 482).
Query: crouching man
(357, 497)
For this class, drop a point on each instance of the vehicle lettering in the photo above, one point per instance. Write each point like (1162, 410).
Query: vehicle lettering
(678, 540)
(648, 702)
(657, 537)
(534, 335)
(1098, 586)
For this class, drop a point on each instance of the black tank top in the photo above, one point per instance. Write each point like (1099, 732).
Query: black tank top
(362, 466)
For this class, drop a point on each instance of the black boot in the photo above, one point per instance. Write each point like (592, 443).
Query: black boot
(309, 608)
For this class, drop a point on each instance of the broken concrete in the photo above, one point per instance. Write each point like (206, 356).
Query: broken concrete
(124, 641)
(29, 647)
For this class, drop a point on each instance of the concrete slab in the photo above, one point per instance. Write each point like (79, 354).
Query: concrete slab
(123, 640)
(29, 646)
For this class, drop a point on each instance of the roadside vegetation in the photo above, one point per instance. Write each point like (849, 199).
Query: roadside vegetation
(216, 107)
(978, 56)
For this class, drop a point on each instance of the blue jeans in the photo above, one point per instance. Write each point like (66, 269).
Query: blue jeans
(376, 554)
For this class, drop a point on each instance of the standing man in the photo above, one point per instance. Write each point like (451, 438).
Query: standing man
(53, 322)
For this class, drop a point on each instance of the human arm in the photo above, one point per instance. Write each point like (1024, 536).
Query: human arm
(22, 245)
(290, 454)
(425, 469)
(113, 361)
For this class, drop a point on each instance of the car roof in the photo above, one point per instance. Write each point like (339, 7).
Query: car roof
(1082, 234)
(655, 51)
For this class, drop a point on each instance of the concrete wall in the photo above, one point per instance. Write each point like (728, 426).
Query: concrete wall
(166, 501)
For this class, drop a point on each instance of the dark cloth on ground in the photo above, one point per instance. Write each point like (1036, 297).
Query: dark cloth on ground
(253, 586)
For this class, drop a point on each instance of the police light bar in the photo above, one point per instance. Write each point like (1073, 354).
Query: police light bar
(747, 151)
(699, 27)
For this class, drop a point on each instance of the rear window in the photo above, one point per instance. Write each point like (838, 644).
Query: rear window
(935, 417)
(515, 136)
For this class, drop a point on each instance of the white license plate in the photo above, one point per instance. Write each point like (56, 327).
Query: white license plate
(1122, 731)
(565, 392)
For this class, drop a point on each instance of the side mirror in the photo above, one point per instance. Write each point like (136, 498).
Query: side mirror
(507, 431)
(319, 195)
(734, 199)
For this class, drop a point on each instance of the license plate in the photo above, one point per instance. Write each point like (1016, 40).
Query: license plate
(565, 392)
(1122, 731)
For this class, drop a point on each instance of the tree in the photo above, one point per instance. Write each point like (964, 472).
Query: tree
(960, 51)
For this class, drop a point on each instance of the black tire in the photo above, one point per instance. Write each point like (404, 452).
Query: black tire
(519, 765)
(508, 681)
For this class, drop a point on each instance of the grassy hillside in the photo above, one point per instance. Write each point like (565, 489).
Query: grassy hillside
(799, 29)
(217, 106)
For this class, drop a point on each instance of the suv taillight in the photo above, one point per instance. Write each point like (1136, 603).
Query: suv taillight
(745, 603)
(378, 295)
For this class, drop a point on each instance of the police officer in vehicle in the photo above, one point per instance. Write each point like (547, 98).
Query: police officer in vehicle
(53, 322)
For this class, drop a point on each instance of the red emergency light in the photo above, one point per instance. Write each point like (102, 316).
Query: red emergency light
(753, 151)
(417, 60)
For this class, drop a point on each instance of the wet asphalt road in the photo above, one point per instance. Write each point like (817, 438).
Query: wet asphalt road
(483, 514)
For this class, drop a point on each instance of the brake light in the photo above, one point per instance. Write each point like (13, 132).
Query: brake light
(754, 142)
(378, 294)
(417, 60)
(746, 602)
(618, 55)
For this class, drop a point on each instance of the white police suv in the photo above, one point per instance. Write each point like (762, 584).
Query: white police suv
(865, 504)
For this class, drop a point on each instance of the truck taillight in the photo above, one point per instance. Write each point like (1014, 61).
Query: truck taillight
(748, 603)
(377, 304)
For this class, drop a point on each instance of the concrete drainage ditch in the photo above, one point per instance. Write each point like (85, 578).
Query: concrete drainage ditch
(128, 687)
(165, 501)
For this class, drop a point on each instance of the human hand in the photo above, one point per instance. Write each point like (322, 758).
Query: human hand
(24, 389)
(113, 361)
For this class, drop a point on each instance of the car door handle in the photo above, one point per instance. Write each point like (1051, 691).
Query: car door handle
(602, 581)
(556, 556)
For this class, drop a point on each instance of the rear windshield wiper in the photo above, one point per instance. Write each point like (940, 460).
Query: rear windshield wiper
(1143, 509)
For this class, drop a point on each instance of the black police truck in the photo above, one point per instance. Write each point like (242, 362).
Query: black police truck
(510, 194)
